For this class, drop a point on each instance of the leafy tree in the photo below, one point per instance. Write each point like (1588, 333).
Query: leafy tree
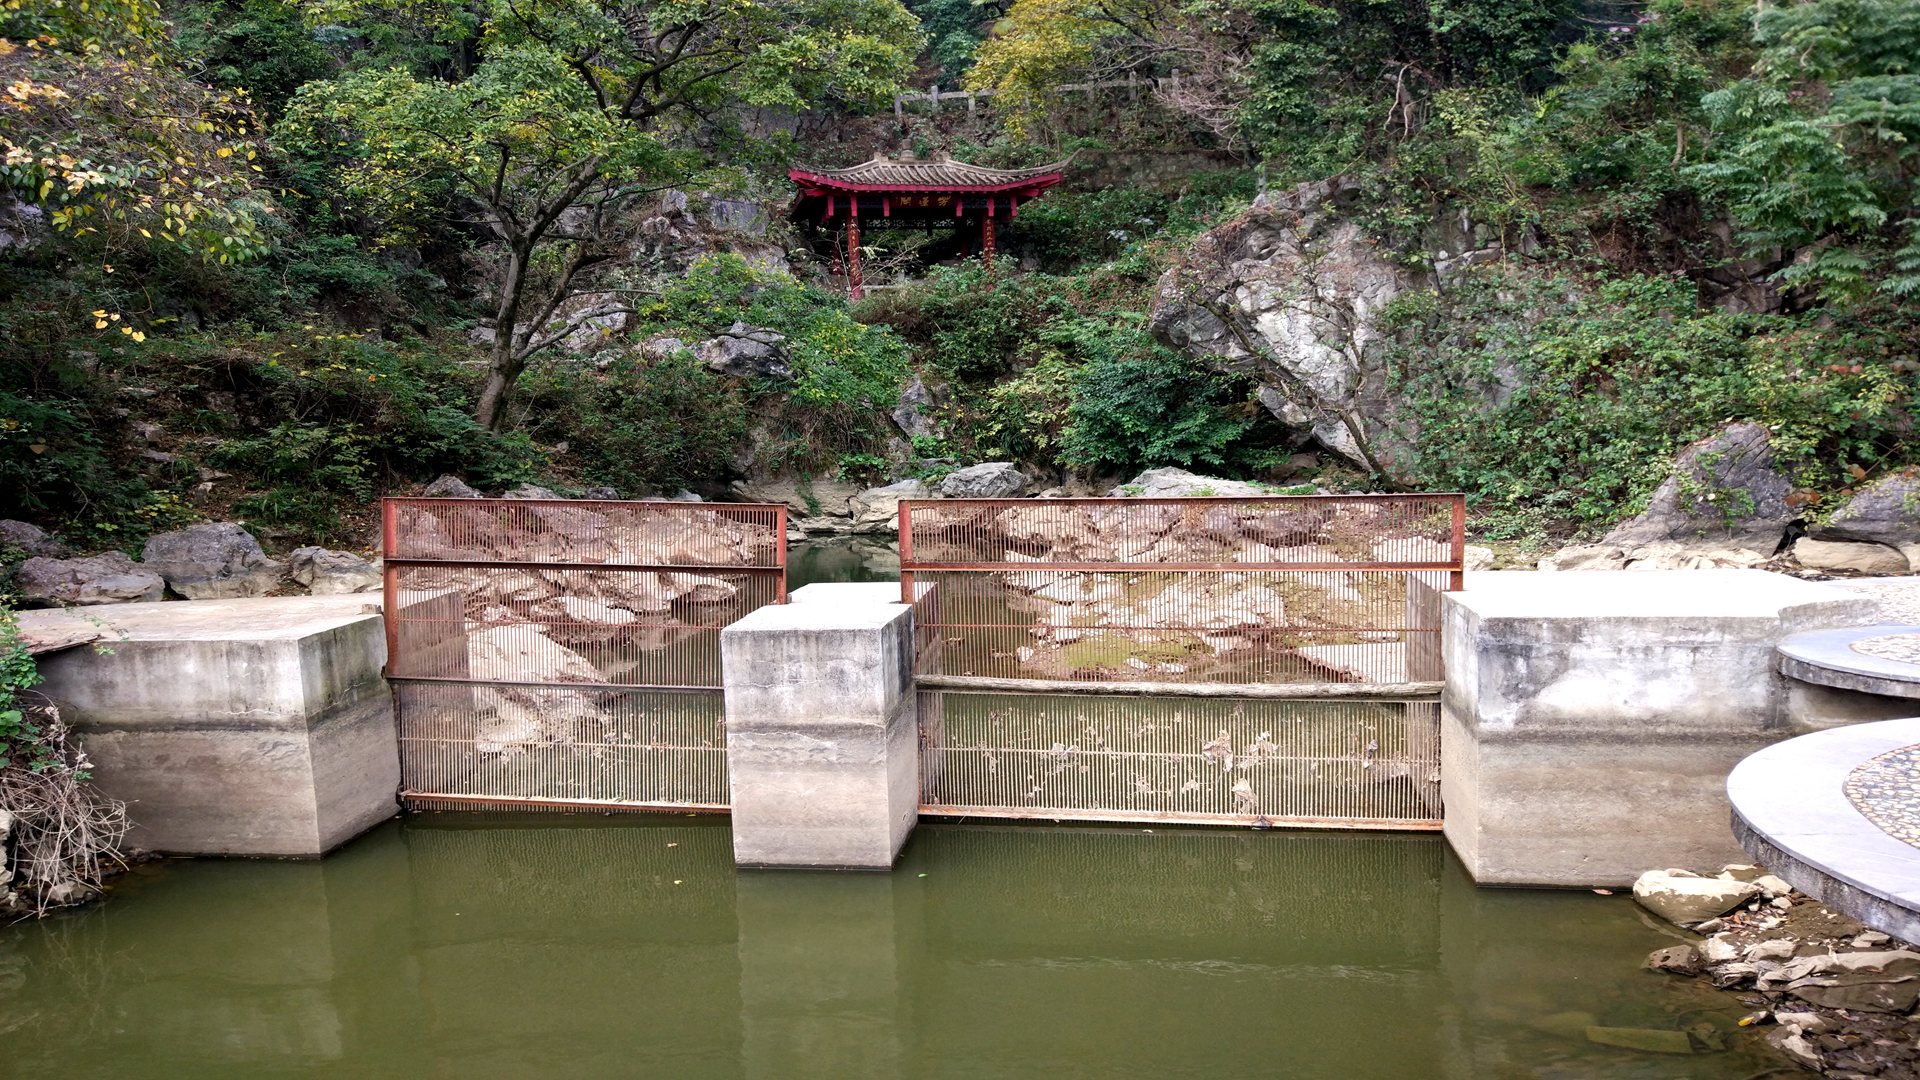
(1821, 146)
(577, 109)
(101, 127)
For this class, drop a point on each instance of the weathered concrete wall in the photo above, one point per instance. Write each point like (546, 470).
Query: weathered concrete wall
(235, 727)
(822, 745)
(1590, 720)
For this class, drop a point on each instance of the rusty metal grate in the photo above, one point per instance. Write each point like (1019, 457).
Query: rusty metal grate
(1287, 590)
(1326, 764)
(1230, 661)
(566, 653)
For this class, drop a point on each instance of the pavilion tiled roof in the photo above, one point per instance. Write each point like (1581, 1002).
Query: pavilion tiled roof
(887, 174)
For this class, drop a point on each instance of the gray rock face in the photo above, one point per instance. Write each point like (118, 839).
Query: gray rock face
(918, 414)
(1172, 483)
(880, 506)
(450, 486)
(987, 480)
(822, 506)
(1287, 294)
(605, 493)
(112, 578)
(331, 573)
(217, 561)
(32, 539)
(663, 348)
(531, 491)
(746, 350)
(1886, 511)
(1861, 557)
(1723, 493)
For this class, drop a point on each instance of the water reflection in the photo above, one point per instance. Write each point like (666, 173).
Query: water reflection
(553, 946)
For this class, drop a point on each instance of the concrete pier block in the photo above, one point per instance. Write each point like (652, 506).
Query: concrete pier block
(234, 727)
(1590, 718)
(822, 745)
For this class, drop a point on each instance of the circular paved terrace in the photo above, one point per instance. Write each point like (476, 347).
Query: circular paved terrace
(1874, 659)
(1837, 814)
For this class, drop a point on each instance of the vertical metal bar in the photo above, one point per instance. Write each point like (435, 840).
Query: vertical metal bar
(1457, 580)
(390, 583)
(906, 552)
(780, 548)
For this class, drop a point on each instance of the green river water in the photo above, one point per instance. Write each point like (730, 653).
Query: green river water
(561, 946)
(555, 946)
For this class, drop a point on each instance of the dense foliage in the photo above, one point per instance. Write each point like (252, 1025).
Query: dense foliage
(269, 260)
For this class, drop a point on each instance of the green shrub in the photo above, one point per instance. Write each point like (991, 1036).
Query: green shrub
(1532, 391)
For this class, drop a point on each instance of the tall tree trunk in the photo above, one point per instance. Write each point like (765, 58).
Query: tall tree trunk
(503, 367)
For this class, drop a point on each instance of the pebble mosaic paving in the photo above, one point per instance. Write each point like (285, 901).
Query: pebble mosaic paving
(1887, 790)
(1902, 647)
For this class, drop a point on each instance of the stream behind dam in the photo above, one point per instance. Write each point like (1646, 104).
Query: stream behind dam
(582, 946)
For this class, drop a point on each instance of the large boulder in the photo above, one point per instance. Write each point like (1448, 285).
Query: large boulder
(818, 506)
(332, 573)
(1723, 493)
(747, 350)
(1856, 556)
(1287, 294)
(112, 578)
(988, 480)
(31, 539)
(1686, 898)
(450, 486)
(215, 561)
(1886, 511)
(1172, 483)
(531, 491)
(877, 509)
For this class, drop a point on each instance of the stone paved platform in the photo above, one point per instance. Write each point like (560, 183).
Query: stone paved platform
(1837, 658)
(1837, 814)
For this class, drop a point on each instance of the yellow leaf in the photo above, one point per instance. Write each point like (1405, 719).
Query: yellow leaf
(138, 336)
(99, 324)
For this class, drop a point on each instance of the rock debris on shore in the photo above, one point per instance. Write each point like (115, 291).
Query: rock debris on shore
(1838, 998)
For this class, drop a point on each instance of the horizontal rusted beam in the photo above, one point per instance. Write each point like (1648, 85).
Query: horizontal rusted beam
(523, 564)
(1119, 567)
(582, 804)
(1406, 691)
(624, 687)
(1175, 817)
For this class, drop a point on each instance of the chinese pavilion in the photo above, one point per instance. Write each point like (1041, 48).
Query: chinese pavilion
(904, 193)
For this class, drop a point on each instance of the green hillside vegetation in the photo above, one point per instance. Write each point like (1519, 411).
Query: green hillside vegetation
(268, 261)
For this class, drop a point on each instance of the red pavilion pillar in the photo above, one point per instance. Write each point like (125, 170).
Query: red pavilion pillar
(854, 291)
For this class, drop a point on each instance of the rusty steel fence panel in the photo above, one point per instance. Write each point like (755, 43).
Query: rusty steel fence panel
(1295, 589)
(1231, 661)
(560, 653)
(1201, 760)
